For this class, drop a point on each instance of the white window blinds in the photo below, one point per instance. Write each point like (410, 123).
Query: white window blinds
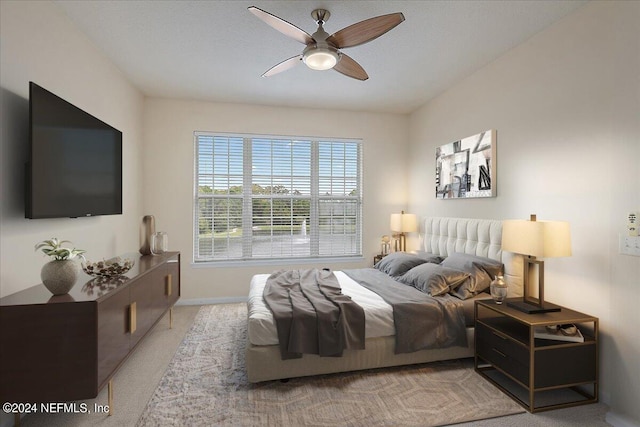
(260, 197)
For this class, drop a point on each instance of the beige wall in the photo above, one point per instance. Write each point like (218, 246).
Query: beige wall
(169, 169)
(566, 107)
(40, 44)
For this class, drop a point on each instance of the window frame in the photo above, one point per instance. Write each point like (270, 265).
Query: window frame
(247, 198)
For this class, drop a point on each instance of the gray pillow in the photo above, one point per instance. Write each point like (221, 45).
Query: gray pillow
(481, 270)
(436, 259)
(398, 263)
(434, 279)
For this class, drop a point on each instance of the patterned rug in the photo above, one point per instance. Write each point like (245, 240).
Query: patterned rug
(206, 385)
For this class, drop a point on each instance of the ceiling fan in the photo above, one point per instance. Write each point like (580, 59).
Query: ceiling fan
(322, 51)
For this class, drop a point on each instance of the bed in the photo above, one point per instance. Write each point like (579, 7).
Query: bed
(443, 237)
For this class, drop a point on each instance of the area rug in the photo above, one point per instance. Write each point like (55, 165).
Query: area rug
(206, 385)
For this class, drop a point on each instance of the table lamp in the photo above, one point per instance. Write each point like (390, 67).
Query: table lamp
(400, 224)
(543, 239)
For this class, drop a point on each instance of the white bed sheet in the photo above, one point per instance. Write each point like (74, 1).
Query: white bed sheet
(262, 328)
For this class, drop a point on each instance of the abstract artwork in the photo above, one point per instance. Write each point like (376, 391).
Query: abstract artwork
(467, 168)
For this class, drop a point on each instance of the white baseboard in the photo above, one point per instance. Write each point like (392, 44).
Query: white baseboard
(618, 420)
(208, 301)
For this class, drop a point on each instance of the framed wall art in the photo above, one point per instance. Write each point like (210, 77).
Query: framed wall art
(467, 168)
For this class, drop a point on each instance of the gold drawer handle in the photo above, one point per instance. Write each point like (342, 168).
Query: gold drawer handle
(499, 335)
(132, 318)
(499, 352)
(168, 285)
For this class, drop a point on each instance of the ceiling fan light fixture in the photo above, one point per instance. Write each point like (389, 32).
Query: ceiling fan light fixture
(320, 58)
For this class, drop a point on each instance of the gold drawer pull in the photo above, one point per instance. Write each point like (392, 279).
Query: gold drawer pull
(499, 335)
(499, 352)
(168, 285)
(132, 318)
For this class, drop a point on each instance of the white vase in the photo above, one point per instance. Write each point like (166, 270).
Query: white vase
(60, 276)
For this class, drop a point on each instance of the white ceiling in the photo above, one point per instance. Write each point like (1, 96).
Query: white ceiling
(217, 50)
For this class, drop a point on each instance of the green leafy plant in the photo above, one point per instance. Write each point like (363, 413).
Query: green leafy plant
(53, 248)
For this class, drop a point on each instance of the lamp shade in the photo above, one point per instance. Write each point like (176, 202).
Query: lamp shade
(545, 239)
(403, 223)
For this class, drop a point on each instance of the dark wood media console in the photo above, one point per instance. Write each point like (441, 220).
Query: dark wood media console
(64, 348)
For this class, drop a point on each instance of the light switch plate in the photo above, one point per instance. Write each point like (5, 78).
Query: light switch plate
(630, 245)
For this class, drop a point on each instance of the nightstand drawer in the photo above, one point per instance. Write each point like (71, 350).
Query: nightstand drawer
(569, 365)
(503, 353)
(503, 343)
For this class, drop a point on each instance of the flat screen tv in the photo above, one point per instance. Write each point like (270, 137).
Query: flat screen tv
(75, 164)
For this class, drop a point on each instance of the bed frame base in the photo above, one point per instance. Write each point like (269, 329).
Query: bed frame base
(264, 362)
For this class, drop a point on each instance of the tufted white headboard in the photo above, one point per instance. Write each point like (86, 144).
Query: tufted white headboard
(481, 237)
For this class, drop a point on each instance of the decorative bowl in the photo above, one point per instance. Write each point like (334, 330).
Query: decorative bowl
(108, 268)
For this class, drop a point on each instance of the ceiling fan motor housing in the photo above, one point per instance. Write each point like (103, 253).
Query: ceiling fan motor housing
(320, 55)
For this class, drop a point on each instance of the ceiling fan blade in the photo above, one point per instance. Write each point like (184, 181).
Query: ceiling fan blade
(365, 31)
(350, 68)
(283, 26)
(283, 66)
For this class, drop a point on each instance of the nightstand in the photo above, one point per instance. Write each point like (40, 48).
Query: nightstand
(539, 374)
(377, 258)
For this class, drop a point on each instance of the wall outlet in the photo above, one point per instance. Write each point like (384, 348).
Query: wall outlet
(630, 245)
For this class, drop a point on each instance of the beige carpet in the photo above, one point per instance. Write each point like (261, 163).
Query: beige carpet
(205, 385)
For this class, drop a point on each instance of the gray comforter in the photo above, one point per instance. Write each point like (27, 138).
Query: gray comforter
(421, 321)
(312, 315)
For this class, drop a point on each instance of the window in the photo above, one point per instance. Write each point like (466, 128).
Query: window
(263, 197)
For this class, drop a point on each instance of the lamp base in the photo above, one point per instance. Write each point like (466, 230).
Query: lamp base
(530, 308)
